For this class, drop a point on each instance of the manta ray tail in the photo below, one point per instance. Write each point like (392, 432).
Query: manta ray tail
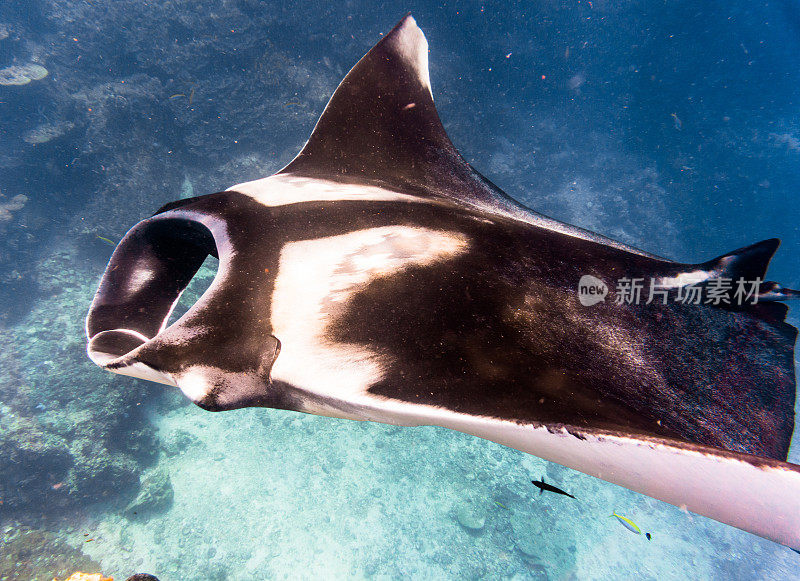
(748, 266)
(750, 262)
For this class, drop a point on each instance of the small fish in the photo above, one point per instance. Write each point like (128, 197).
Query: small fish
(627, 523)
(543, 486)
(191, 96)
(293, 104)
(176, 95)
(104, 239)
(647, 535)
(677, 121)
(501, 504)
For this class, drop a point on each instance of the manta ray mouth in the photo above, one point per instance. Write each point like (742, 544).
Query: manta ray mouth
(147, 273)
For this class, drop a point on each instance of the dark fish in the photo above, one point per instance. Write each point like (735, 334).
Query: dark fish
(544, 486)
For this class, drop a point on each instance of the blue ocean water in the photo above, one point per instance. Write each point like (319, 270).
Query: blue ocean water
(674, 127)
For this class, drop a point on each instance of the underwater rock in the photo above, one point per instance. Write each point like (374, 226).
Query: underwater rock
(22, 74)
(541, 536)
(534, 572)
(47, 132)
(65, 442)
(537, 572)
(787, 140)
(155, 495)
(527, 533)
(38, 555)
(471, 516)
(178, 442)
(142, 577)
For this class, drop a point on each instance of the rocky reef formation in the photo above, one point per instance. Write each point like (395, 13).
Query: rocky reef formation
(38, 555)
(68, 436)
(22, 74)
(155, 495)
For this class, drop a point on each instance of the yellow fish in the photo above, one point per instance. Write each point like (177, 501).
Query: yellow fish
(627, 523)
(104, 239)
(676, 121)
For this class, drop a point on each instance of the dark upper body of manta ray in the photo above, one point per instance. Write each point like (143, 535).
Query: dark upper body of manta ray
(379, 277)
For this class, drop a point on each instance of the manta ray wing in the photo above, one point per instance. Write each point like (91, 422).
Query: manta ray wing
(381, 128)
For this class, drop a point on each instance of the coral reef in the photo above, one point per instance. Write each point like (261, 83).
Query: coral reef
(33, 462)
(81, 576)
(22, 74)
(7, 206)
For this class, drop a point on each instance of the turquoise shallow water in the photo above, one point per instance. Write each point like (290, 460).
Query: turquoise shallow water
(570, 107)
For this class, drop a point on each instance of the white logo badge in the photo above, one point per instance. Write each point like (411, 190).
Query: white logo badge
(591, 290)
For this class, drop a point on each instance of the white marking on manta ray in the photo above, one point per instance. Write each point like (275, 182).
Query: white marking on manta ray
(316, 278)
(284, 189)
(685, 279)
(140, 276)
(141, 371)
(198, 380)
(194, 383)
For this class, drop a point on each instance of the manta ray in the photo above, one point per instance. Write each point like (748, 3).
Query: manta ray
(379, 277)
